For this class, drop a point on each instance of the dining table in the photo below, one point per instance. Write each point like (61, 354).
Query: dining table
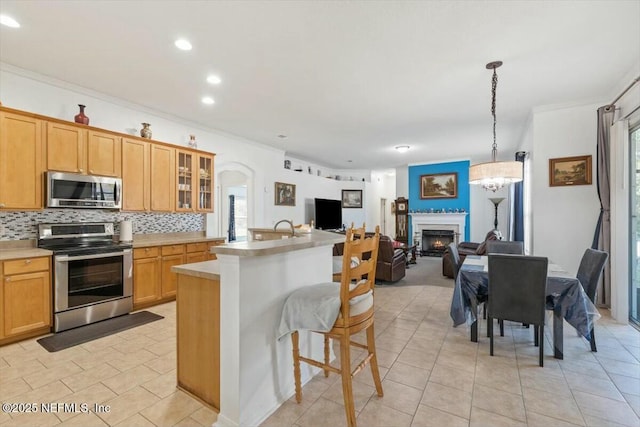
(564, 296)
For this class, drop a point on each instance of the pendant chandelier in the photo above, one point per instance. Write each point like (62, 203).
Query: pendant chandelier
(494, 175)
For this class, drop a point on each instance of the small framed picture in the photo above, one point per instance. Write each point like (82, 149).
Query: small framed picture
(351, 198)
(439, 186)
(285, 194)
(565, 171)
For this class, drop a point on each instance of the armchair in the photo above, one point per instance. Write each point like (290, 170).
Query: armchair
(392, 262)
(468, 248)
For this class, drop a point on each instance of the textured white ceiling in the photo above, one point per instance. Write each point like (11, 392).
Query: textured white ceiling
(343, 79)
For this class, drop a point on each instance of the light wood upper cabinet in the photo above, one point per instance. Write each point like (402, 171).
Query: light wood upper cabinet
(71, 148)
(205, 183)
(104, 151)
(66, 148)
(163, 178)
(185, 182)
(21, 167)
(136, 179)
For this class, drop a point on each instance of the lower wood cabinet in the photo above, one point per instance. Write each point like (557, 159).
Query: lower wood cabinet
(197, 252)
(198, 338)
(171, 255)
(25, 297)
(146, 275)
(153, 280)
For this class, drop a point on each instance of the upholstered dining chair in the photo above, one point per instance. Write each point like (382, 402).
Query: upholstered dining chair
(589, 273)
(505, 247)
(454, 258)
(523, 303)
(354, 313)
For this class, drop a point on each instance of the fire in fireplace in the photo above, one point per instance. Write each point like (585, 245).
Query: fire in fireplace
(434, 242)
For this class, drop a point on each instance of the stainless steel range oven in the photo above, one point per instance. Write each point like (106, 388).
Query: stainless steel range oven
(92, 274)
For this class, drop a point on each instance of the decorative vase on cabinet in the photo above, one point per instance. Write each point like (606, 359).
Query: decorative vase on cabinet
(81, 117)
(145, 132)
(192, 141)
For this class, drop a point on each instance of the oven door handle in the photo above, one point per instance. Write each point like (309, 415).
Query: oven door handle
(67, 258)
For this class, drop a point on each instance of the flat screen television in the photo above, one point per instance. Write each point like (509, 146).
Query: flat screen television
(328, 214)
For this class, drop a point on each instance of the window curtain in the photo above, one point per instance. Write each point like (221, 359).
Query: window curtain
(602, 234)
(518, 202)
(232, 218)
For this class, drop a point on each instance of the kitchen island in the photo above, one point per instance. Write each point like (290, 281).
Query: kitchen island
(253, 280)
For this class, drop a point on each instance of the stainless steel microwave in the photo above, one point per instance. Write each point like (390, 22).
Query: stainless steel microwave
(70, 190)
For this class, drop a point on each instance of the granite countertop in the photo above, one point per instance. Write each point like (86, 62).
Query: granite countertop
(204, 270)
(16, 249)
(160, 239)
(271, 247)
(17, 253)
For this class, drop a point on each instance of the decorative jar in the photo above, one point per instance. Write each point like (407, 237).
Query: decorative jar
(145, 132)
(192, 141)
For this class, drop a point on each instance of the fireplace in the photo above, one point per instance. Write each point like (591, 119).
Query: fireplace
(434, 242)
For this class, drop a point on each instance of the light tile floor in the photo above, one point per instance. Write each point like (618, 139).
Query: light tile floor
(432, 376)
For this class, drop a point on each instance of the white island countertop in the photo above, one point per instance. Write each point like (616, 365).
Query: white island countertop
(272, 247)
(206, 269)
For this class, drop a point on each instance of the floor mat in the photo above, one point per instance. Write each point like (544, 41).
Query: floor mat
(82, 334)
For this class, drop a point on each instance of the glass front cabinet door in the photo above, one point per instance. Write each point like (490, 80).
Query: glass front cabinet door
(205, 183)
(184, 201)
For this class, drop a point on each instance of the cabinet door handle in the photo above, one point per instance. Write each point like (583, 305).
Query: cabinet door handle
(8, 279)
(80, 170)
(91, 171)
(27, 261)
(146, 249)
(1, 205)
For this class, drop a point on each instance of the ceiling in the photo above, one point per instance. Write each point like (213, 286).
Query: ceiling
(343, 80)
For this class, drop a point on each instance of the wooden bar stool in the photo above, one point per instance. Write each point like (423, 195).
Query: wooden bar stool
(355, 298)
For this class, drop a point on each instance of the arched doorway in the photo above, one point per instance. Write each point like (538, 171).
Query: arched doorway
(233, 179)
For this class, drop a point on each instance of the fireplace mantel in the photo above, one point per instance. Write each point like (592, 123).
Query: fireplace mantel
(439, 221)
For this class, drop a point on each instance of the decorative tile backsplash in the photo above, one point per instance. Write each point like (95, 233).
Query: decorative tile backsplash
(24, 225)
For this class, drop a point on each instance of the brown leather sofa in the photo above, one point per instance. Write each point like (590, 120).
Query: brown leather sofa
(392, 263)
(468, 248)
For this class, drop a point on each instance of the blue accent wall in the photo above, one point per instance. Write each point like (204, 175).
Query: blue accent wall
(416, 204)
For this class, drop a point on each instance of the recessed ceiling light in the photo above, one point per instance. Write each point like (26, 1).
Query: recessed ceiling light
(402, 148)
(183, 44)
(9, 21)
(208, 100)
(214, 80)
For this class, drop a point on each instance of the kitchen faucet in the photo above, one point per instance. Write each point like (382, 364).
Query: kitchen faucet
(293, 232)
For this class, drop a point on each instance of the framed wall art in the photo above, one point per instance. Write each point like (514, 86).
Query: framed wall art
(565, 171)
(439, 186)
(351, 198)
(285, 194)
